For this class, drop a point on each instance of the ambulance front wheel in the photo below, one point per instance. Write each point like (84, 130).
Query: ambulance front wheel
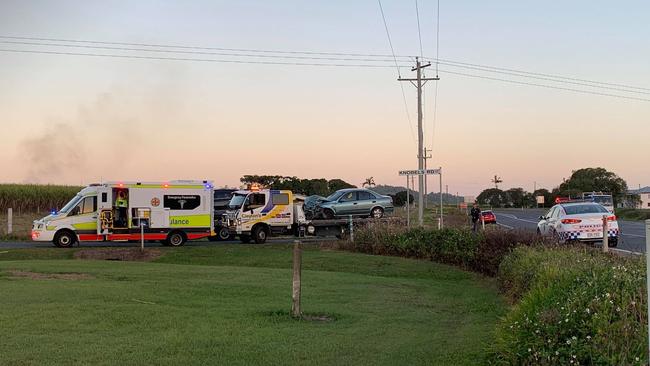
(65, 239)
(176, 239)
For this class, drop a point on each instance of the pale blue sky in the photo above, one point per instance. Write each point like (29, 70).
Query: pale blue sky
(259, 119)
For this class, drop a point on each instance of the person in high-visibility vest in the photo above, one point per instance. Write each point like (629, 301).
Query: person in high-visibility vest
(122, 204)
(121, 201)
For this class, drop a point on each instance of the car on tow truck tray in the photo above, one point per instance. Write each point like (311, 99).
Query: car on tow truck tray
(578, 222)
(356, 202)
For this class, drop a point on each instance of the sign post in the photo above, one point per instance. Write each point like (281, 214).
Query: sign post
(408, 204)
(605, 234)
(421, 172)
(10, 220)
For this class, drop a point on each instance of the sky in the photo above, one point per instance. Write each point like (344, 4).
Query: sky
(77, 120)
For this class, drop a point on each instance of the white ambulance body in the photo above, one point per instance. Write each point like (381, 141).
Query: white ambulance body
(171, 212)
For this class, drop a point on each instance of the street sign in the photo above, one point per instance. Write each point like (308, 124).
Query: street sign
(540, 200)
(420, 172)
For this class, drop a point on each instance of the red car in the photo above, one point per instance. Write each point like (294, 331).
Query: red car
(489, 217)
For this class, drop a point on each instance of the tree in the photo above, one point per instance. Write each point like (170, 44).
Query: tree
(336, 184)
(548, 199)
(321, 186)
(594, 180)
(496, 180)
(517, 197)
(369, 182)
(493, 197)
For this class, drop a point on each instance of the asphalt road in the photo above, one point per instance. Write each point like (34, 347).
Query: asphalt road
(197, 243)
(632, 232)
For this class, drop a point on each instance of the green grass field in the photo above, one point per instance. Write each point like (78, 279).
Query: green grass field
(229, 305)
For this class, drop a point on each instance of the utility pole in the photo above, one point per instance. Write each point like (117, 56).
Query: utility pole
(427, 156)
(419, 82)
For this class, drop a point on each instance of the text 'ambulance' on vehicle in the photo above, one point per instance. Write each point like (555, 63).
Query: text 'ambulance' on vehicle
(170, 212)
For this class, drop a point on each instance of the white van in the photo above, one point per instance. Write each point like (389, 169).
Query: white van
(171, 212)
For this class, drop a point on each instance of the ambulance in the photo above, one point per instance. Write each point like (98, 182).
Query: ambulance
(170, 212)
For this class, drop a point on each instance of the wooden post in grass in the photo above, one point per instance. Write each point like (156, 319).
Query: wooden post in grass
(10, 220)
(297, 264)
(605, 234)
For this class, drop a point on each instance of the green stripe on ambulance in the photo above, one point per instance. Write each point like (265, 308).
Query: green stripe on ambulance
(190, 221)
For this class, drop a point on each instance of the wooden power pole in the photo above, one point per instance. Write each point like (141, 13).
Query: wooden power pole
(419, 82)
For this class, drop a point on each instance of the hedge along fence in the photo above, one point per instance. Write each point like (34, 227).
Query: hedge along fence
(572, 305)
(35, 198)
(575, 306)
(481, 253)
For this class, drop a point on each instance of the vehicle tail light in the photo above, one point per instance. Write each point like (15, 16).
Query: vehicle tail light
(611, 218)
(571, 221)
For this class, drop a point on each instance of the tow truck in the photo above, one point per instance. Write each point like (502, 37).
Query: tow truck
(255, 214)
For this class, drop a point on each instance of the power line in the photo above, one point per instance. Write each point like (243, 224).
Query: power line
(545, 86)
(437, 36)
(393, 56)
(195, 59)
(541, 74)
(399, 75)
(417, 15)
(204, 48)
(197, 52)
(545, 78)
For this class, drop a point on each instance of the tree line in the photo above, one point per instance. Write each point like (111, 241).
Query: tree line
(581, 180)
(320, 186)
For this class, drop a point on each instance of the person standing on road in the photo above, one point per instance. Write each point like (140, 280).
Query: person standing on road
(475, 214)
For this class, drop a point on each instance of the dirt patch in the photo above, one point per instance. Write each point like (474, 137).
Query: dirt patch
(284, 315)
(49, 276)
(121, 254)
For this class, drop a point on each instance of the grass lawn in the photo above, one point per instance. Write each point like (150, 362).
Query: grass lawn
(228, 304)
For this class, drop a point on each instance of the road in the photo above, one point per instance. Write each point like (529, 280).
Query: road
(632, 232)
(198, 243)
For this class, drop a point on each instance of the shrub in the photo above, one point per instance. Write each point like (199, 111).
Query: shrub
(481, 252)
(577, 306)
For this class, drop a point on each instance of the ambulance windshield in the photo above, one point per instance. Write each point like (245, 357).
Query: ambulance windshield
(237, 201)
(73, 202)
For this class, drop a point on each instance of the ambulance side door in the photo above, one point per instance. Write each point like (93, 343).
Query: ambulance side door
(84, 217)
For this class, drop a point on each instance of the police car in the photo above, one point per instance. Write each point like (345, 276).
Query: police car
(578, 221)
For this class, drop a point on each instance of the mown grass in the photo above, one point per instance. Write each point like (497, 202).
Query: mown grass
(228, 304)
(633, 214)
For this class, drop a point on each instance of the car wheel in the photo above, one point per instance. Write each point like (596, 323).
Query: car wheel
(65, 239)
(539, 233)
(259, 234)
(245, 239)
(377, 213)
(328, 214)
(176, 239)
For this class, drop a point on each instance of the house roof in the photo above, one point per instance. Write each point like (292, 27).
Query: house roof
(638, 191)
